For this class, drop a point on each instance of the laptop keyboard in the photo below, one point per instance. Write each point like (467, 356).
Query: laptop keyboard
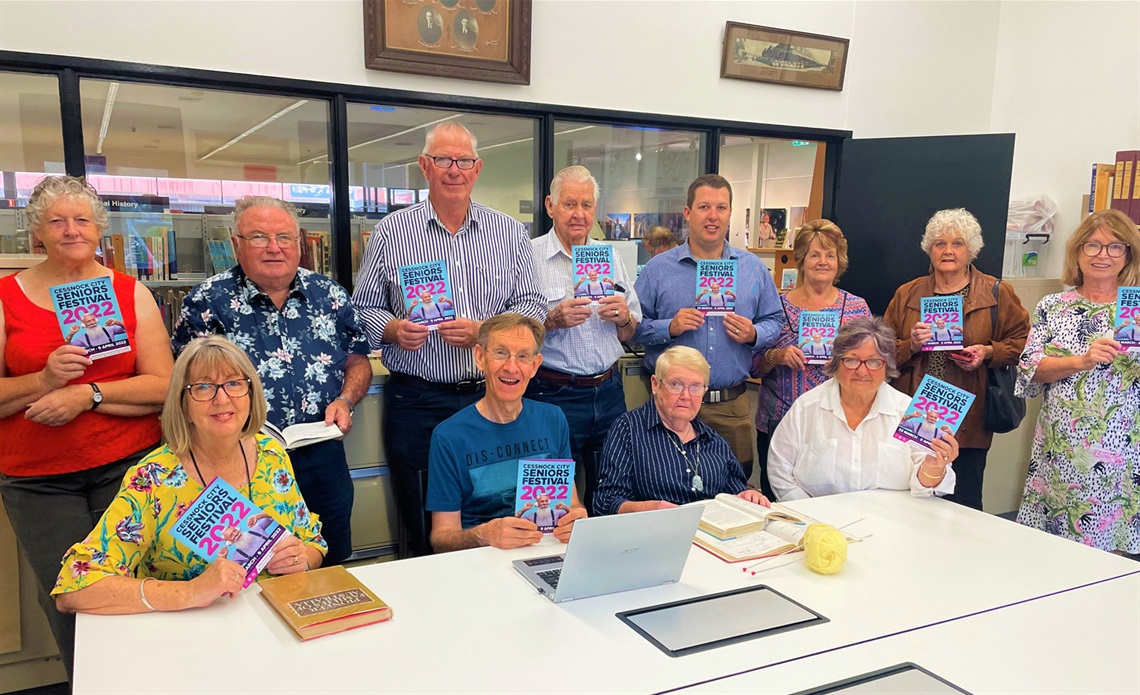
(551, 577)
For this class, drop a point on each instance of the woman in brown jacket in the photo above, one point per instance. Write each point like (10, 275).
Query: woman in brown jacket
(953, 239)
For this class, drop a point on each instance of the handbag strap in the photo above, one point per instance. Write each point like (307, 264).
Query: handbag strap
(994, 310)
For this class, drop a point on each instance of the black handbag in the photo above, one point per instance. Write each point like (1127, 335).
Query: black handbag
(1003, 410)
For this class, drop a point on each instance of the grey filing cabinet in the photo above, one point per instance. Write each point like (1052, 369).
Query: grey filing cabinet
(374, 521)
(634, 380)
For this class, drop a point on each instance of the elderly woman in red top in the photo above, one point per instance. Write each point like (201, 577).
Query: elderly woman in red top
(71, 426)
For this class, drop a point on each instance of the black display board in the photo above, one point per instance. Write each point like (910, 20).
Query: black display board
(888, 189)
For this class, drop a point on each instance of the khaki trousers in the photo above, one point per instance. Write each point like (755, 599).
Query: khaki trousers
(733, 421)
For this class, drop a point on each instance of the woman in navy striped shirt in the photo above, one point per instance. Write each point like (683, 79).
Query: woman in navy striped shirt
(660, 455)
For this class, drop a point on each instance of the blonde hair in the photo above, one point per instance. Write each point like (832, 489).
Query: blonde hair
(958, 221)
(1118, 225)
(201, 356)
(829, 235)
(507, 322)
(52, 188)
(681, 356)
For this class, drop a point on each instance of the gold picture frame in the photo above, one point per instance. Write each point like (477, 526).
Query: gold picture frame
(767, 54)
(483, 40)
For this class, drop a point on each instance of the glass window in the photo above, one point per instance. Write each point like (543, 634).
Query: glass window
(771, 184)
(385, 141)
(643, 173)
(169, 163)
(31, 144)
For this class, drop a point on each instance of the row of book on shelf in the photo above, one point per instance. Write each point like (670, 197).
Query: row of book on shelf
(1115, 185)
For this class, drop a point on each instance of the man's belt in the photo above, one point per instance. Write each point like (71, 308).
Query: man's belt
(563, 379)
(721, 395)
(468, 386)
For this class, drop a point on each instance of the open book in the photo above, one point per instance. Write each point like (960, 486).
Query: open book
(736, 530)
(296, 436)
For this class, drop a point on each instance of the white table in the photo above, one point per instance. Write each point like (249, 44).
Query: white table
(1081, 641)
(467, 622)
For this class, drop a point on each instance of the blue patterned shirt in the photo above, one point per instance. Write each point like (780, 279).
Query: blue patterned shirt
(668, 284)
(299, 350)
(640, 463)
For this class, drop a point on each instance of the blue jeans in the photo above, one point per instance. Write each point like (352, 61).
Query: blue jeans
(324, 482)
(411, 413)
(590, 411)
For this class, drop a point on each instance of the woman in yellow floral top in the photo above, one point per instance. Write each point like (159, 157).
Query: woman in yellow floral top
(130, 562)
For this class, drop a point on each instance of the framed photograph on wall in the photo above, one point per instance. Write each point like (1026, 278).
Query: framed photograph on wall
(484, 40)
(766, 54)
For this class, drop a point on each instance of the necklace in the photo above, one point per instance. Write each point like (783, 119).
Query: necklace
(244, 460)
(698, 484)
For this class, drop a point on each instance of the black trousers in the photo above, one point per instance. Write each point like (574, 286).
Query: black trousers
(50, 513)
(325, 483)
(411, 413)
(969, 468)
(762, 440)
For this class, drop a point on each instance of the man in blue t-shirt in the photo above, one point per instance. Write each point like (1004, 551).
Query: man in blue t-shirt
(473, 464)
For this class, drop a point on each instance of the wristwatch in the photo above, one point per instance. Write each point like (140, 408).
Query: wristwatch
(96, 397)
(351, 407)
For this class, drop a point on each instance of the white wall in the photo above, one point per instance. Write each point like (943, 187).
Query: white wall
(1063, 76)
(1068, 83)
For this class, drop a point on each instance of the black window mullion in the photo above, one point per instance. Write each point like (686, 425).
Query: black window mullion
(71, 116)
(340, 210)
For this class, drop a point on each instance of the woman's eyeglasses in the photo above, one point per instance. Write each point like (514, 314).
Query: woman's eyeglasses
(853, 363)
(1114, 250)
(203, 392)
(677, 388)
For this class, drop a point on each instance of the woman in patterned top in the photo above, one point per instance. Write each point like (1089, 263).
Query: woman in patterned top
(821, 257)
(1084, 470)
(214, 409)
(953, 239)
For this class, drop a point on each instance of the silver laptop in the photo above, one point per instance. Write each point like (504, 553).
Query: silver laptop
(608, 554)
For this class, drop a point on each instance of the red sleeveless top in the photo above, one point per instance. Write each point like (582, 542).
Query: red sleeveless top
(93, 438)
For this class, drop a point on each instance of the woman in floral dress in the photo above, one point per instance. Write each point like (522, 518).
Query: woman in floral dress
(1084, 472)
(214, 409)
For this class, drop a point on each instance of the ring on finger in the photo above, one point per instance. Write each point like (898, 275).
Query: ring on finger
(296, 559)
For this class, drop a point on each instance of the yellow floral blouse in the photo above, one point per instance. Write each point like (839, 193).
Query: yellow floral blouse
(133, 538)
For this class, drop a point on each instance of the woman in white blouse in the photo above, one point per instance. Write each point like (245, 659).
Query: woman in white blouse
(838, 436)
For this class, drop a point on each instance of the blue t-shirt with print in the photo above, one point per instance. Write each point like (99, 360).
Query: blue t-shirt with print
(473, 466)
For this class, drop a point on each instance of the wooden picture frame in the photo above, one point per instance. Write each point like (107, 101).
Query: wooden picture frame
(484, 40)
(767, 54)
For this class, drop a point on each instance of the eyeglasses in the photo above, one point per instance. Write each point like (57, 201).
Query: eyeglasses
(261, 241)
(677, 388)
(207, 392)
(504, 355)
(853, 363)
(1114, 250)
(463, 163)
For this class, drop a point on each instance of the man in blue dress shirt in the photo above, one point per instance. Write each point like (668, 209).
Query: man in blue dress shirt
(667, 292)
(491, 268)
(301, 332)
(583, 341)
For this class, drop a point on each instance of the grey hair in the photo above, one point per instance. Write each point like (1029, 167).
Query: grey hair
(857, 331)
(245, 203)
(572, 174)
(681, 356)
(52, 188)
(957, 221)
(454, 128)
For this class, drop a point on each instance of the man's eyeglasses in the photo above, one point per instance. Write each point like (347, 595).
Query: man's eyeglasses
(677, 388)
(1114, 250)
(463, 163)
(853, 363)
(504, 355)
(207, 392)
(261, 241)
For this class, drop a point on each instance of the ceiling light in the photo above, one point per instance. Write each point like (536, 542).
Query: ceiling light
(254, 129)
(112, 91)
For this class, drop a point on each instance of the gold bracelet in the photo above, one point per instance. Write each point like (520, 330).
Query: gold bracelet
(768, 357)
(922, 471)
(142, 596)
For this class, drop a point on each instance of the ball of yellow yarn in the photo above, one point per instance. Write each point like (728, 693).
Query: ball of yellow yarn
(825, 548)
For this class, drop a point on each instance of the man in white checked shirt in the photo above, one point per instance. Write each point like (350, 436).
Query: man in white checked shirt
(583, 342)
(491, 267)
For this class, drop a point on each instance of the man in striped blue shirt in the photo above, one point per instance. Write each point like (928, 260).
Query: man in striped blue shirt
(491, 268)
(583, 341)
(667, 290)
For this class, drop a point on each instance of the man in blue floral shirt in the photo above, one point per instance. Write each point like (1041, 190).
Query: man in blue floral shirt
(302, 333)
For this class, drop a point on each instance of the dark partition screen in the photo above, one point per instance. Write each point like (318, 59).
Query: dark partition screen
(888, 189)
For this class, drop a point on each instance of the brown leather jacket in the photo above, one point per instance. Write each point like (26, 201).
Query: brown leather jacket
(1012, 329)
